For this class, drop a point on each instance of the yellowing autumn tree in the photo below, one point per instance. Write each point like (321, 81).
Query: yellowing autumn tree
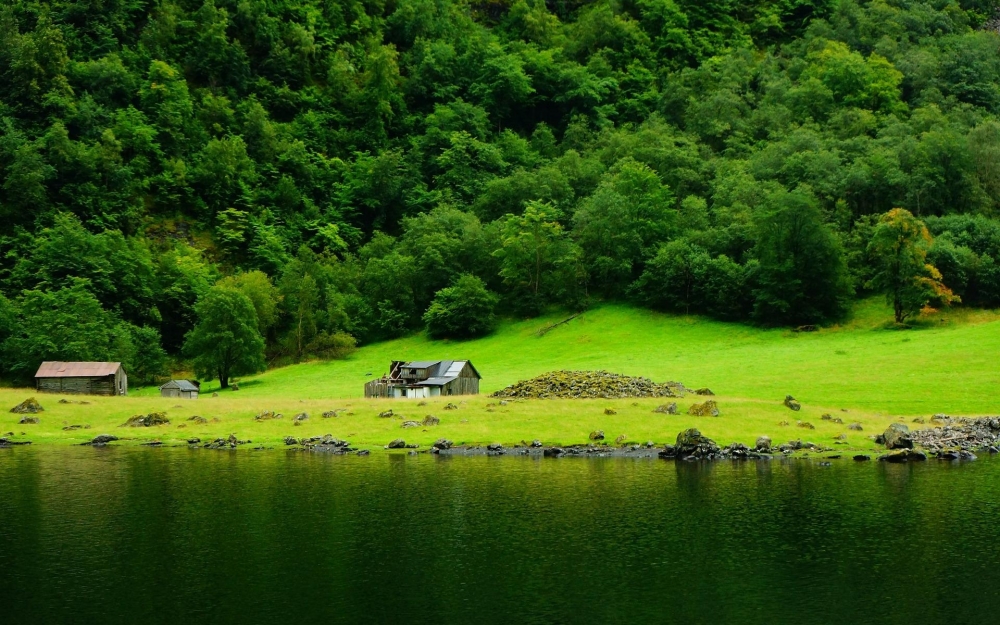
(899, 244)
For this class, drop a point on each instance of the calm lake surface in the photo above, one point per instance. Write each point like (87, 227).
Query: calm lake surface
(180, 536)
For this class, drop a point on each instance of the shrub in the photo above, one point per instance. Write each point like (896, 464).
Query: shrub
(464, 310)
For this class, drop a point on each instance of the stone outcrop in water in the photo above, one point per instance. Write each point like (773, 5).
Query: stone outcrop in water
(589, 385)
(691, 444)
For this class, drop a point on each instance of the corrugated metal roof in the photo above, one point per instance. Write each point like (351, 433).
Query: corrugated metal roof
(58, 369)
(441, 381)
(420, 364)
(183, 385)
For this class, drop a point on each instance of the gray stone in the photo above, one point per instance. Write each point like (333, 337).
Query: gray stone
(792, 404)
(442, 443)
(763, 443)
(897, 436)
(396, 444)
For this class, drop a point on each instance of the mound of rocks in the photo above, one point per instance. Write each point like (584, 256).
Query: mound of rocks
(959, 433)
(589, 385)
(146, 421)
(692, 445)
(28, 406)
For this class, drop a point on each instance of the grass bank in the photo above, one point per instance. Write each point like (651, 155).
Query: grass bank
(877, 375)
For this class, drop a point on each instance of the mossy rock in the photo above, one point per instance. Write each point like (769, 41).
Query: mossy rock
(28, 406)
(707, 409)
(146, 421)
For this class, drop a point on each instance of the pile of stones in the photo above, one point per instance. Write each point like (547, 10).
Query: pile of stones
(958, 434)
(589, 385)
(28, 406)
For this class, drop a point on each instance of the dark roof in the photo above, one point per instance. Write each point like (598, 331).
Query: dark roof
(420, 364)
(441, 381)
(59, 369)
(183, 385)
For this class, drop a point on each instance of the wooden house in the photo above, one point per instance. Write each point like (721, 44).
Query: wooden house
(183, 389)
(426, 378)
(84, 378)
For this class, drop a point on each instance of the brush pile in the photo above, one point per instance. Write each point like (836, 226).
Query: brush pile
(589, 385)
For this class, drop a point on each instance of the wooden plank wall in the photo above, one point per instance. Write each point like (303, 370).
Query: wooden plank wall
(78, 386)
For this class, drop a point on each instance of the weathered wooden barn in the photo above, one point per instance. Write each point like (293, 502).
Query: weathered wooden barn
(426, 378)
(183, 389)
(84, 378)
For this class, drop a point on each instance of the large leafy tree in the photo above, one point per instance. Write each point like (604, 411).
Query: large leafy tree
(464, 310)
(803, 278)
(226, 341)
(900, 244)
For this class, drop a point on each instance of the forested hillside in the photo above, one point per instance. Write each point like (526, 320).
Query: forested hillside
(286, 178)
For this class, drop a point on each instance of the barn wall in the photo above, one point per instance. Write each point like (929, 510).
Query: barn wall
(170, 392)
(461, 386)
(78, 386)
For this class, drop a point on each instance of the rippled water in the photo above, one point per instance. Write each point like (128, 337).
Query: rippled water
(179, 536)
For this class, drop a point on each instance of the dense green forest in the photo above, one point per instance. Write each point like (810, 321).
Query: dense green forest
(282, 179)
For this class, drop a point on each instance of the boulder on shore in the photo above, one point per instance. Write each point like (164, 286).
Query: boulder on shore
(763, 443)
(396, 444)
(692, 444)
(28, 406)
(707, 409)
(897, 436)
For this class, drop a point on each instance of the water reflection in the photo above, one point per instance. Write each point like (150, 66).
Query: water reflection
(175, 535)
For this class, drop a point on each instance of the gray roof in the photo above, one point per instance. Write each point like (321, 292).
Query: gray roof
(437, 381)
(183, 385)
(420, 364)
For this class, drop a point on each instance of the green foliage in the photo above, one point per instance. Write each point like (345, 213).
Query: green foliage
(361, 157)
(462, 311)
(900, 243)
(226, 341)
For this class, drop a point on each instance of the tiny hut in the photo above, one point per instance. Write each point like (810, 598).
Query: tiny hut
(183, 389)
(82, 378)
(426, 378)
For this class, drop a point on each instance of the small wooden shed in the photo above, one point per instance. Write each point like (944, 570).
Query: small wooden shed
(82, 378)
(183, 389)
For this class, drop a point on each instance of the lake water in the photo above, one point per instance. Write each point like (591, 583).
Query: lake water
(181, 536)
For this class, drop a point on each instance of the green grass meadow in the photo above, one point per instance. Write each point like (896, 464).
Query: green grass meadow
(862, 371)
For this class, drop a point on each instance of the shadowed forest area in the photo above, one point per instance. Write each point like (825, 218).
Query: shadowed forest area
(232, 184)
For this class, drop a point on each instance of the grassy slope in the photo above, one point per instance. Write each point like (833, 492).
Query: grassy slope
(950, 365)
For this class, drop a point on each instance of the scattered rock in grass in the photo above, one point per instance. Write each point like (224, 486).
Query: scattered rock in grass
(431, 420)
(597, 435)
(332, 413)
(783, 423)
(396, 444)
(792, 404)
(610, 411)
(291, 440)
(422, 403)
(504, 403)
(28, 421)
(691, 444)
(70, 428)
(385, 414)
(268, 415)
(198, 420)
(763, 444)
(588, 385)
(299, 418)
(840, 437)
(28, 406)
(234, 386)
(855, 426)
(215, 394)
(837, 420)
(410, 424)
(919, 420)
(450, 406)
(896, 436)
(216, 420)
(806, 425)
(620, 439)
(670, 408)
(102, 439)
(826, 417)
(707, 409)
(146, 421)
(703, 391)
